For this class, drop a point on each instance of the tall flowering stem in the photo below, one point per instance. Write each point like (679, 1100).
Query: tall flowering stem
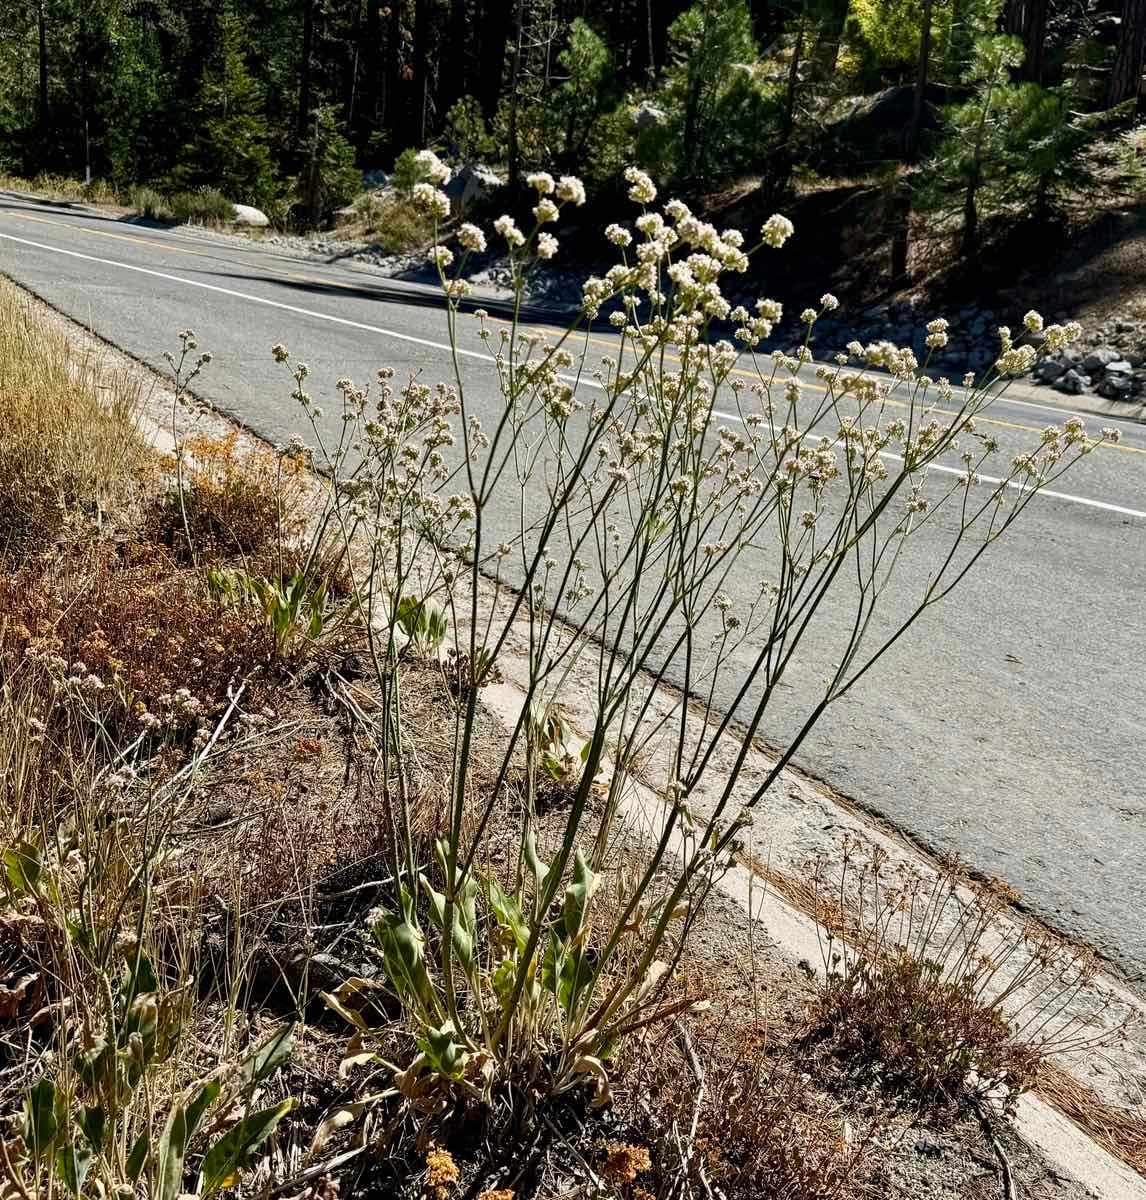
(609, 513)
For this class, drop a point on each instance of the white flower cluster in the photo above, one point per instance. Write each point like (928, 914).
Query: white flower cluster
(431, 201)
(642, 190)
(898, 361)
(545, 212)
(571, 190)
(937, 333)
(1013, 360)
(776, 231)
(506, 226)
(471, 238)
(432, 167)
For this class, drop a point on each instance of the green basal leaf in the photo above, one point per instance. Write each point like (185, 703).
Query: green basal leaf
(560, 970)
(23, 866)
(507, 912)
(72, 1165)
(138, 1156)
(198, 1107)
(92, 1121)
(92, 1064)
(226, 1158)
(502, 980)
(444, 1054)
(171, 1153)
(578, 896)
(404, 959)
(138, 979)
(538, 869)
(269, 1056)
(42, 1116)
(462, 940)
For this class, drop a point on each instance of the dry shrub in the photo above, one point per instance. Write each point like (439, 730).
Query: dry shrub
(238, 501)
(759, 1125)
(68, 444)
(919, 1034)
(392, 222)
(934, 991)
(316, 826)
(130, 628)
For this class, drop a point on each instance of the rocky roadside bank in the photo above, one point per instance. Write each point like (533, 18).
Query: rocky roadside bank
(1108, 361)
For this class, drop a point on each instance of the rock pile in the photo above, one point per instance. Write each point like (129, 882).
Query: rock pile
(1110, 360)
(973, 341)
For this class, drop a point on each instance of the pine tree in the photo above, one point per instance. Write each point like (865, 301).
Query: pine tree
(230, 146)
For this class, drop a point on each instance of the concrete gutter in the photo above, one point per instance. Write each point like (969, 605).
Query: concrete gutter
(796, 934)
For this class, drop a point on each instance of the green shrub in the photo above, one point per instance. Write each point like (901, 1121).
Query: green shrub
(150, 203)
(466, 134)
(329, 178)
(407, 170)
(206, 206)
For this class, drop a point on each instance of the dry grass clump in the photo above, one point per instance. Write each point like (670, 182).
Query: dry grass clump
(391, 221)
(205, 206)
(120, 679)
(68, 445)
(61, 188)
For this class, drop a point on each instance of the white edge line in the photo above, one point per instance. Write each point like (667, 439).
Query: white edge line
(418, 341)
(214, 287)
(160, 235)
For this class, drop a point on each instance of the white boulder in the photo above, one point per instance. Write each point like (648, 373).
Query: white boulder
(245, 214)
(469, 183)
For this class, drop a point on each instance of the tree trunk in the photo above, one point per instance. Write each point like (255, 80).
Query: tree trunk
(1034, 40)
(916, 126)
(395, 93)
(371, 55)
(1130, 58)
(1027, 19)
(827, 48)
(495, 32)
(783, 157)
(454, 79)
(970, 245)
(652, 45)
(958, 49)
(304, 75)
(900, 231)
(514, 81)
(42, 29)
(422, 24)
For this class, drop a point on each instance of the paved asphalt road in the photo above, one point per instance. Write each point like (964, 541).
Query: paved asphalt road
(1008, 726)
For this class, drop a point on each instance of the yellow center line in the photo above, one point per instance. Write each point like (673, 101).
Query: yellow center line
(808, 385)
(805, 385)
(153, 244)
